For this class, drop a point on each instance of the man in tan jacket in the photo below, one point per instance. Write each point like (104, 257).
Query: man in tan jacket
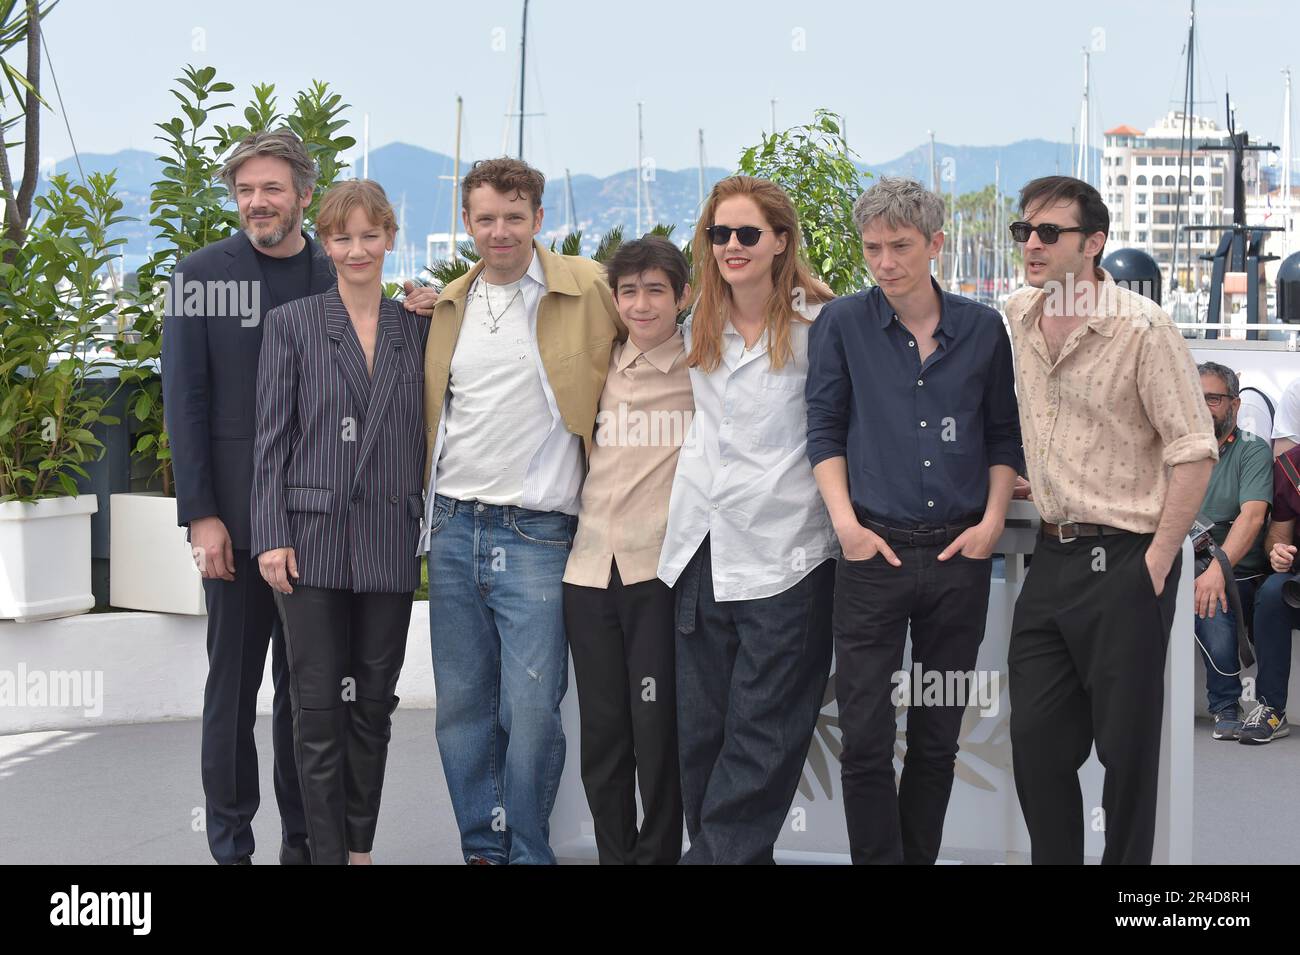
(513, 371)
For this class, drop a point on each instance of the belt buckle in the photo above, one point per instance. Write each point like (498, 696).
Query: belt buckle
(1060, 532)
(921, 538)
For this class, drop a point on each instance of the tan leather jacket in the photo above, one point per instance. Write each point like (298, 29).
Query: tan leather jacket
(577, 325)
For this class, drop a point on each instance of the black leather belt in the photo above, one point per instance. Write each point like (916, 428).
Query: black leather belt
(1071, 531)
(919, 536)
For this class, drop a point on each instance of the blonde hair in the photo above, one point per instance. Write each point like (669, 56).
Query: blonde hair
(342, 197)
(790, 272)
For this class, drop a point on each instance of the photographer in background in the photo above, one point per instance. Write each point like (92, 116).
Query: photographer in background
(1274, 617)
(1237, 501)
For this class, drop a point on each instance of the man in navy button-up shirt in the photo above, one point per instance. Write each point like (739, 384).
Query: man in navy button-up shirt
(921, 418)
(914, 438)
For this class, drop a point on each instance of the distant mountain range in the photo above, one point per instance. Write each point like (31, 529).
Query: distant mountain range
(413, 175)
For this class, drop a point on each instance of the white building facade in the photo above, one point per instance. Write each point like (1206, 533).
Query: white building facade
(1140, 176)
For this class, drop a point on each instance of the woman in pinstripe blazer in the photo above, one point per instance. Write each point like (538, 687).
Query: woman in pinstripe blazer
(336, 509)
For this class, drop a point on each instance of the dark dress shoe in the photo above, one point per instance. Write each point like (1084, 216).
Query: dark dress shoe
(295, 855)
(242, 860)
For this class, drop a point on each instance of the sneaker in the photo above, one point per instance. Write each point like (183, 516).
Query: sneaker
(1227, 723)
(1263, 725)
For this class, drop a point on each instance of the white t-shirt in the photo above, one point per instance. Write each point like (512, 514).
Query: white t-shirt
(1253, 415)
(1286, 422)
(497, 415)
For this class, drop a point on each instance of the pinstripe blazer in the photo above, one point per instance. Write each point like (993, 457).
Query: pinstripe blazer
(339, 457)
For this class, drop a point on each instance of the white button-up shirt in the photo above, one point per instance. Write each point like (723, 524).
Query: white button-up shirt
(743, 476)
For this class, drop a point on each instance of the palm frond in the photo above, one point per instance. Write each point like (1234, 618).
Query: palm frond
(448, 270)
(572, 244)
(609, 244)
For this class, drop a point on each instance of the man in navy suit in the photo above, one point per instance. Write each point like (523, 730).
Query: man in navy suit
(212, 334)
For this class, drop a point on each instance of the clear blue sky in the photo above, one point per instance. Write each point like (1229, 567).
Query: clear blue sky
(977, 73)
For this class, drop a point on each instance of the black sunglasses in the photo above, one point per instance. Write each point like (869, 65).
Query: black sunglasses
(1047, 233)
(747, 234)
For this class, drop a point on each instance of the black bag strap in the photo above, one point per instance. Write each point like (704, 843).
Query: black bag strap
(1244, 651)
(1272, 411)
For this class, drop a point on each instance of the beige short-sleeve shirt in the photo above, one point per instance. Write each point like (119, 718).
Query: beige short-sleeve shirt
(1121, 404)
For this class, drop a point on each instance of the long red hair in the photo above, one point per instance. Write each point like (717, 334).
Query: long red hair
(790, 272)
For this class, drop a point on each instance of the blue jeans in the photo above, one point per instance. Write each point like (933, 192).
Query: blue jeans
(501, 665)
(1218, 637)
(1274, 621)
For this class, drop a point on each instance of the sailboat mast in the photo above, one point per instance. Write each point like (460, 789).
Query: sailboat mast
(1184, 148)
(523, 53)
(1286, 164)
(933, 182)
(569, 214)
(401, 248)
(639, 145)
(455, 180)
(701, 204)
(997, 228)
(1083, 161)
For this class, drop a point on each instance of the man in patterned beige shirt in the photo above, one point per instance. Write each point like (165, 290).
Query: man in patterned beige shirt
(1119, 447)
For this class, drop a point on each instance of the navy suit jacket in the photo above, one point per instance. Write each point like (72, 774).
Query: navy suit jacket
(339, 468)
(209, 368)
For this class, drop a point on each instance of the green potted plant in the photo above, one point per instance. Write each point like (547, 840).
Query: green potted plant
(54, 312)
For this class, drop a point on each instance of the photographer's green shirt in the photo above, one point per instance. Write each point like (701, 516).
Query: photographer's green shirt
(1244, 472)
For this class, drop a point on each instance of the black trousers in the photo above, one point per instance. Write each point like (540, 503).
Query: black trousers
(241, 623)
(622, 639)
(345, 653)
(1086, 663)
(946, 604)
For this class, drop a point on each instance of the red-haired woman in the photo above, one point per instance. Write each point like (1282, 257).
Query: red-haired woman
(749, 545)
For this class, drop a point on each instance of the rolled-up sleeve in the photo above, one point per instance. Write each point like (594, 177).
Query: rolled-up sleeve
(828, 390)
(277, 387)
(1002, 440)
(1170, 390)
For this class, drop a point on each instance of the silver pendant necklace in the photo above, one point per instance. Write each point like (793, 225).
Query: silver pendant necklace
(496, 319)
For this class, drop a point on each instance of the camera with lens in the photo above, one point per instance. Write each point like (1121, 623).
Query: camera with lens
(1202, 542)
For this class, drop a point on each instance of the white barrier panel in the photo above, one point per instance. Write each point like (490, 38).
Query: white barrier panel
(147, 666)
(153, 666)
(983, 813)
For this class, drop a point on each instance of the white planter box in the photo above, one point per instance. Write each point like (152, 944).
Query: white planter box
(45, 558)
(150, 564)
